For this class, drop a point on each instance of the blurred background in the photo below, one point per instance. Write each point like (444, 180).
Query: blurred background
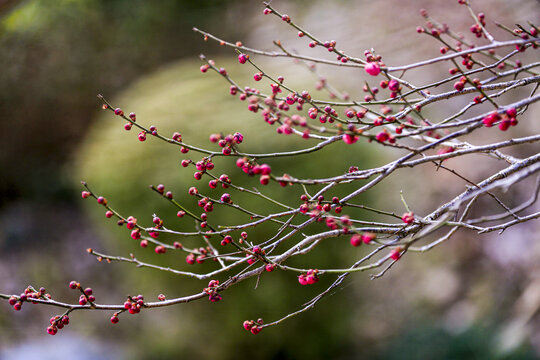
(475, 297)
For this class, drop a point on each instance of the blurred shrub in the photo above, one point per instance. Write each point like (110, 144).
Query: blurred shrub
(118, 166)
(56, 56)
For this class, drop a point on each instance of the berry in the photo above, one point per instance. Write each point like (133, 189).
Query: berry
(458, 85)
(393, 85)
(356, 240)
(408, 218)
(395, 254)
(349, 138)
(243, 58)
(269, 267)
(511, 112)
(367, 238)
(382, 136)
(372, 68)
(264, 179)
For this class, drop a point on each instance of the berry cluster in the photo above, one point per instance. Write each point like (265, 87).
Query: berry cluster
(57, 323)
(252, 168)
(366, 238)
(309, 278)
(87, 294)
(227, 143)
(199, 255)
(212, 291)
(254, 327)
(28, 294)
(505, 121)
(133, 305)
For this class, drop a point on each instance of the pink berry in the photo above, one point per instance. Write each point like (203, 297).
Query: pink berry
(226, 198)
(395, 254)
(367, 238)
(393, 85)
(459, 86)
(349, 138)
(269, 267)
(356, 240)
(408, 218)
(243, 58)
(372, 68)
(511, 112)
(382, 136)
